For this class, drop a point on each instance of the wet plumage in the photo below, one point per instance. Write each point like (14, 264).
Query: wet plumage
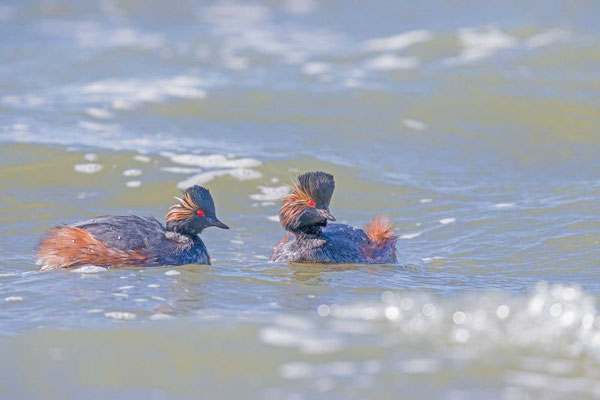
(305, 213)
(132, 240)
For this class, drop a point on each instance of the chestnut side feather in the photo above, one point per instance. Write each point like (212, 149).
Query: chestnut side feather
(65, 247)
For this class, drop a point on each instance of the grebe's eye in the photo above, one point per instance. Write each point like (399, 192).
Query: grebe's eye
(311, 203)
(199, 213)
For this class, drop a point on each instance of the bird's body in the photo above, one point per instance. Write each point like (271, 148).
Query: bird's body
(133, 240)
(336, 243)
(305, 214)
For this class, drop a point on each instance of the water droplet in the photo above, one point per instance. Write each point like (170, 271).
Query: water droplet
(459, 317)
(428, 310)
(323, 310)
(406, 303)
(502, 311)
(119, 237)
(387, 297)
(392, 313)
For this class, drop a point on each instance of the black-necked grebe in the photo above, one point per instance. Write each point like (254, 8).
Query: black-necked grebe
(132, 240)
(305, 212)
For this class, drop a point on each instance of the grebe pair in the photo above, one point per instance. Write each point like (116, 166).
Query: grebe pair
(144, 241)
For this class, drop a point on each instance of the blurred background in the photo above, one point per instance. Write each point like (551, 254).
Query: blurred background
(473, 125)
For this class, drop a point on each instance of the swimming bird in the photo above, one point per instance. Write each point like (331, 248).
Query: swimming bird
(131, 240)
(305, 214)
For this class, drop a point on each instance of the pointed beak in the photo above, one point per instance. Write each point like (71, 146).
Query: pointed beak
(218, 224)
(326, 214)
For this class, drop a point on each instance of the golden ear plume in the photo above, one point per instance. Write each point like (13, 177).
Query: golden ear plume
(184, 210)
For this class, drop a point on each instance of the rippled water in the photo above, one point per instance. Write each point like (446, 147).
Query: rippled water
(473, 126)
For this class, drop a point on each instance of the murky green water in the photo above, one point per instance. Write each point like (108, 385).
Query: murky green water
(474, 127)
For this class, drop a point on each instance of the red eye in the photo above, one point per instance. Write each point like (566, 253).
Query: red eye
(311, 203)
(199, 213)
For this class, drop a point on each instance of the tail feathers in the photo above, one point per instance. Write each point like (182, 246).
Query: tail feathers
(380, 230)
(382, 241)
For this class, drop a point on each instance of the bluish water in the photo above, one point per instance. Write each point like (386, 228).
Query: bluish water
(473, 126)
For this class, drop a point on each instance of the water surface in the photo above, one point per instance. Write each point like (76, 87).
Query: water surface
(474, 127)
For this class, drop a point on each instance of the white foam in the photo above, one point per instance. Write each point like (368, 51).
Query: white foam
(126, 287)
(132, 172)
(172, 272)
(123, 105)
(480, 43)
(90, 168)
(315, 68)
(160, 317)
(425, 201)
(99, 113)
(446, 221)
(94, 311)
(90, 157)
(268, 193)
(89, 269)
(303, 338)
(414, 124)
(120, 294)
(127, 93)
(142, 158)
(99, 128)
(547, 38)
(419, 366)
(20, 127)
(253, 28)
(153, 285)
(13, 299)
(120, 315)
(430, 259)
(91, 34)
(181, 170)
(244, 174)
(212, 161)
(503, 205)
(295, 370)
(133, 184)
(205, 177)
(274, 218)
(201, 179)
(397, 42)
(387, 62)
(27, 101)
(410, 235)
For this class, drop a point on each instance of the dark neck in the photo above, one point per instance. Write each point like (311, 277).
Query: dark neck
(309, 230)
(182, 232)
